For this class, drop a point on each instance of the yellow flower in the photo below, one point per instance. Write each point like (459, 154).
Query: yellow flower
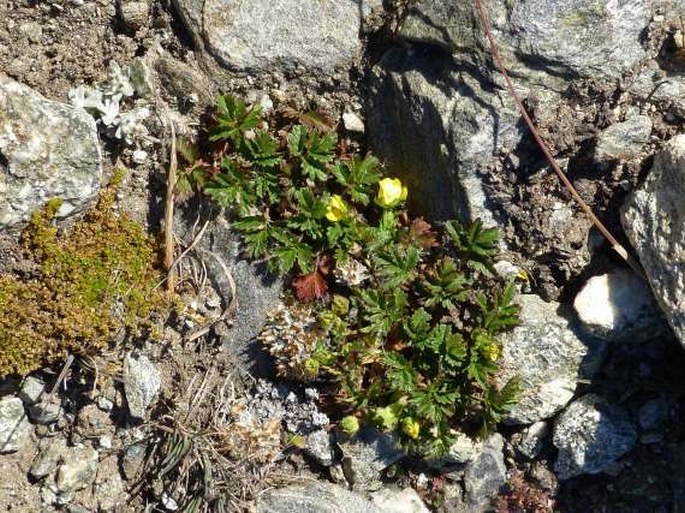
(411, 427)
(391, 192)
(336, 209)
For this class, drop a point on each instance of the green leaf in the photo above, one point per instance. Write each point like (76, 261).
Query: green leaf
(446, 285)
(313, 150)
(401, 376)
(382, 310)
(261, 150)
(358, 176)
(418, 326)
(397, 267)
(478, 246)
(233, 119)
(498, 311)
(436, 402)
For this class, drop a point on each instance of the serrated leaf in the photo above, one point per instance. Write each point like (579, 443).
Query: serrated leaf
(397, 267)
(309, 287)
(233, 119)
(421, 234)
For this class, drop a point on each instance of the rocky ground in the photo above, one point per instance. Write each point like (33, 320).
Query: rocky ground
(199, 418)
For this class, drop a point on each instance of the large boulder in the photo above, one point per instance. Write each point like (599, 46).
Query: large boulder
(549, 359)
(283, 35)
(574, 38)
(47, 150)
(653, 218)
(436, 124)
(440, 116)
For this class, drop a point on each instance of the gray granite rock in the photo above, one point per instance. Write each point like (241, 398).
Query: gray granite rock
(619, 306)
(653, 219)
(392, 500)
(436, 124)
(548, 357)
(109, 487)
(486, 473)
(367, 454)
(47, 150)
(142, 382)
(570, 38)
(463, 450)
(49, 455)
(590, 435)
(287, 36)
(318, 447)
(46, 411)
(316, 497)
(31, 390)
(77, 470)
(532, 440)
(623, 140)
(15, 428)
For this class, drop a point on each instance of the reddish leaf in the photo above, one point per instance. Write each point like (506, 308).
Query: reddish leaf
(420, 231)
(309, 287)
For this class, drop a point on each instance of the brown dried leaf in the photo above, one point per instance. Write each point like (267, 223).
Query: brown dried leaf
(309, 287)
(421, 232)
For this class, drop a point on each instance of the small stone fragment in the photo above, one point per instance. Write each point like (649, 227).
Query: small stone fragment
(389, 500)
(47, 411)
(142, 382)
(77, 471)
(590, 436)
(51, 450)
(49, 150)
(15, 428)
(623, 140)
(132, 460)
(546, 355)
(105, 404)
(317, 497)
(532, 440)
(367, 454)
(463, 450)
(318, 446)
(134, 14)
(486, 473)
(619, 306)
(353, 123)
(31, 390)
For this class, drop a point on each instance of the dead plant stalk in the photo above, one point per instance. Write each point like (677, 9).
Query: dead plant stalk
(499, 62)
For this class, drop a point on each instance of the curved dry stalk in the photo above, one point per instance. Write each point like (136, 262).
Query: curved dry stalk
(169, 211)
(616, 246)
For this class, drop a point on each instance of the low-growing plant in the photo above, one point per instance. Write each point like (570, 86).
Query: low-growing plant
(406, 315)
(91, 284)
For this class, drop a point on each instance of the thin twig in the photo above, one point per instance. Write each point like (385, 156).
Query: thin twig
(63, 374)
(616, 246)
(169, 212)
